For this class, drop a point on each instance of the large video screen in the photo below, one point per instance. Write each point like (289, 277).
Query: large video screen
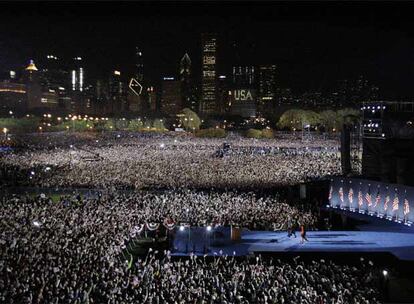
(374, 198)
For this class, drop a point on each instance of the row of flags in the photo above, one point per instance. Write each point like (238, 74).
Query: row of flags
(373, 202)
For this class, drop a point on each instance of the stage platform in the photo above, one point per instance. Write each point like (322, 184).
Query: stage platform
(374, 235)
(399, 244)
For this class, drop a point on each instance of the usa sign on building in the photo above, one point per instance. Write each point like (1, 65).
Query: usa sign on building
(244, 95)
(243, 102)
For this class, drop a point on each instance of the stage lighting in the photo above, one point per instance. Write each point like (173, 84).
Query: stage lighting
(385, 273)
(208, 228)
(181, 228)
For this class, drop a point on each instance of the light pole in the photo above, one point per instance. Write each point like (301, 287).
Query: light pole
(182, 228)
(208, 230)
(189, 237)
(385, 286)
(70, 156)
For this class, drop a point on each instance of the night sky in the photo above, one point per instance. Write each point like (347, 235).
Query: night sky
(313, 44)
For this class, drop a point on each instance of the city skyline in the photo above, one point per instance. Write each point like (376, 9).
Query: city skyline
(313, 46)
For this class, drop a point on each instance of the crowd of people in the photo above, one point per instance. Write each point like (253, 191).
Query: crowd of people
(164, 161)
(255, 280)
(72, 251)
(75, 249)
(271, 150)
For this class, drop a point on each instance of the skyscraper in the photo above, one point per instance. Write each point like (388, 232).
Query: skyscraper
(139, 65)
(243, 76)
(243, 94)
(56, 80)
(77, 75)
(54, 74)
(208, 104)
(34, 91)
(222, 94)
(187, 92)
(171, 96)
(117, 93)
(267, 88)
(137, 95)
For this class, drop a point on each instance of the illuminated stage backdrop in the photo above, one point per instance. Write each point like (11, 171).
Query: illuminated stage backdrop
(390, 201)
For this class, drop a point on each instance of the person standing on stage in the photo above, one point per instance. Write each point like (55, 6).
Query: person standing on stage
(290, 228)
(303, 234)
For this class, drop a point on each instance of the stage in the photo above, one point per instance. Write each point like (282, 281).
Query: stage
(374, 235)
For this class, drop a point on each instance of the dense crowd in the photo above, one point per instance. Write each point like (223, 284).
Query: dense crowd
(164, 161)
(75, 250)
(72, 251)
(229, 280)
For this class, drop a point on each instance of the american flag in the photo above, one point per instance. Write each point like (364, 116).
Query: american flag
(406, 207)
(341, 194)
(395, 203)
(330, 193)
(351, 196)
(377, 198)
(387, 200)
(360, 199)
(368, 197)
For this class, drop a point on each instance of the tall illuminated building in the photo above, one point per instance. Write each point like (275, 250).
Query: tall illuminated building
(78, 75)
(243, 76)
(33, 88)
(137, 91)
(267, 88)
(77, 86)
(243, 93)
(117, 93)
(222, 94)
(187, 90)
(152, 99)
(208, 104)
(54, 75)
(139, 65)
(56, 81)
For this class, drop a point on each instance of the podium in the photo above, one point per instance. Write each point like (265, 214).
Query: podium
(235, 233)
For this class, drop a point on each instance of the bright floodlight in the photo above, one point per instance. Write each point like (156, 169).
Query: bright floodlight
(209, 228)
(385, 273)
(181, 228)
